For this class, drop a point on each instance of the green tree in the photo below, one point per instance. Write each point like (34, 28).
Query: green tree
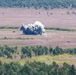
(57, 51)
(72, 70)
(2, 69)
(42, 73)
(51, 50)
(12, 68)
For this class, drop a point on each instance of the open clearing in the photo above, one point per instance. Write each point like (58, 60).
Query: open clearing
(48, 59)
(15, 17)
(64, 39)
(50, 18)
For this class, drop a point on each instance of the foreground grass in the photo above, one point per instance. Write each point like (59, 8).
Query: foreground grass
(48, 59)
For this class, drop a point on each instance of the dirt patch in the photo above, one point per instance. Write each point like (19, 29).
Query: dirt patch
(50, 18)
(52, 38)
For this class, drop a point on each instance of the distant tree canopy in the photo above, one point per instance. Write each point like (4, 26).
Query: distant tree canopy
(31, 51)
(36, 68)
(38, 3)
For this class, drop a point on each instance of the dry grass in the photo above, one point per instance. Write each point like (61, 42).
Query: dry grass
(48, 59)
(64, 39)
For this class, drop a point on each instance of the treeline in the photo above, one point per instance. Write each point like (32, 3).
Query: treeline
(27, 51)
(46, 4)
(36, 68)
(40, 50)
(7, 52)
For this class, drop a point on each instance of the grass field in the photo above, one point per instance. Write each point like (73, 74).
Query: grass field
(48, 59)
